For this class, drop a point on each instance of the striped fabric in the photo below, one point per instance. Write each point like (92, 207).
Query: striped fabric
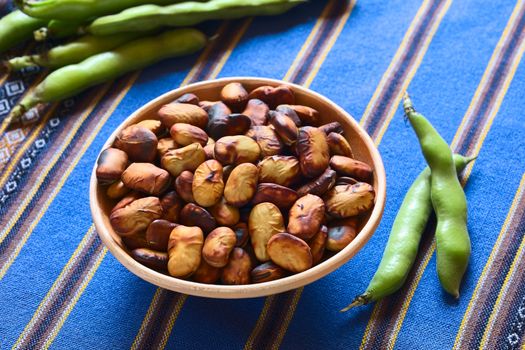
(460, 60)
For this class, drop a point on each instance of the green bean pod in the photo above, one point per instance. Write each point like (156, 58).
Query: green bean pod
(79, 10)
(70, 53)
(402, 246)
(71, 80)
(448, 200)
(149, 17)
(57, 29)
(16, 27)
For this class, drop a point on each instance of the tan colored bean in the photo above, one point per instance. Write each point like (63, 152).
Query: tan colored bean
(186, 158)
(282, 197)
(284, 126)
(318, 244)
(139, 143)
(183, 113)
(282, 170)
(288, 111)
(164, 145)
(208, 186)
(224, 213)
(110, 165)
(171, 206)
(206, 273)
(236, 150)
(351, 167)
(266, 272)
(257, 111)
(267, 139)
(193, 215)
(151, 258)
(155, 126)
(313, 151)
(308, 115)
(136, 216)
(265, 221)
(218, 246)
(184, 250)
(341, 233)
(186, 134)
(238, 269)
(234, 95)
(241, 185)
(306, 216)
(183, 186)
(349, 200)
(290, 252)
(158, 234)
(117, 190)
(339, 145)
(273, 96)
(147, 178)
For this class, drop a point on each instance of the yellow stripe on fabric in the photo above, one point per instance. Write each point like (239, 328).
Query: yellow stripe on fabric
(53, 288)
(309, 39)
(400, 51)
(260, 322)
(63, 179)
(490, 261)
(77, 296)
(503, 291)
(319, 62)
(146, 320)
(215, 72)
(287, 319)
(413, 69)
(373, 319)
(171, 321)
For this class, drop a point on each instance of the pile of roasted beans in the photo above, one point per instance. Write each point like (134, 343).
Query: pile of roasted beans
(247, 189)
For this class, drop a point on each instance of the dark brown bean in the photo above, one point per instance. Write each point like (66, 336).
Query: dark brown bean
(183, 113)
(345, 180)
(257, 111)
(341, 233)
(313, 151)
(183, 186)
(290, 252)
(273, 96)
(266, 272)
(308, 115)
(158, 234)
(306, 216)
(147, 178)
(351, 167)
(242, 234)
(190, 98)
(151, 258)
(139, 143)
(238, 269)
(193, 215)
(135, 241)
(318, 244)
(320, 185)
(206, 273)
(331, 127)
(206, 105)
(171, 206)
(136, 216)
(110, 165)
(284, 127)
(234, 95)
(288, 111)
(282, 197)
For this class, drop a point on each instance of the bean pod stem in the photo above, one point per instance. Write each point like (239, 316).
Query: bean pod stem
(405, 236)
(448, 200)
(72, 79)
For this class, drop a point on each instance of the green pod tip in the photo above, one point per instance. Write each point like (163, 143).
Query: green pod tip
(362, 299)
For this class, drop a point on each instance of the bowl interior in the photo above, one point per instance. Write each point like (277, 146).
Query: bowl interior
(362, 147)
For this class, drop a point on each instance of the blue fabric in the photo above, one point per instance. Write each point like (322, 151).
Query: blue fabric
(99, 304)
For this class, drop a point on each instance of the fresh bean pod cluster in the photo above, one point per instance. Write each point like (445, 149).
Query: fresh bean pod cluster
(245, 189)
(137, 54)
(16, 27)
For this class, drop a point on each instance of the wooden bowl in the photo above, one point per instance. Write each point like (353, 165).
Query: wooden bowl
(363, 148)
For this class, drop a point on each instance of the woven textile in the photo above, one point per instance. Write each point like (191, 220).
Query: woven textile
(460, 60)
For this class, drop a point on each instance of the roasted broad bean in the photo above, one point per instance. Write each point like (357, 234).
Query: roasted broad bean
(186, 158)
(267, 139)
(208, 186)
(206, 273)
(238, 269)
(284, 126)
(282, 197)
(190, 98)
(147, 178)
(265, 221)
(338, 145)
(345, 180)
(349, 200)
(153, 259)
(130, 197)
(257, 111)
(117, 190)
(158, 234)
(184, 250)
(193, 215)
(225, 214)
(313, 151)
(218, 246)
(282, 170)
(164, 145)
(155, 126)
(136, 216)
(306, 216)
(331, 127)
(234, 95)
(308, 115)
(318, 244)
(186, 134)
(139, 143)
(183, 186)
(273, 96)
(183, 113)
(236, 150)
(351, 167)
(241, 185)
(290, 252)
(320, 185)
(341, 233)
(171, 206)
(269, 271)
(288, 111)
(242, 234)
(110, 165)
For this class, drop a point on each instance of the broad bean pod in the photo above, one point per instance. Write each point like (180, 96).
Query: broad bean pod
(16, 27)
(402, 246)
(448, 200)
(137, 54)
(70, 53)
(149, 17)
(57, 29)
